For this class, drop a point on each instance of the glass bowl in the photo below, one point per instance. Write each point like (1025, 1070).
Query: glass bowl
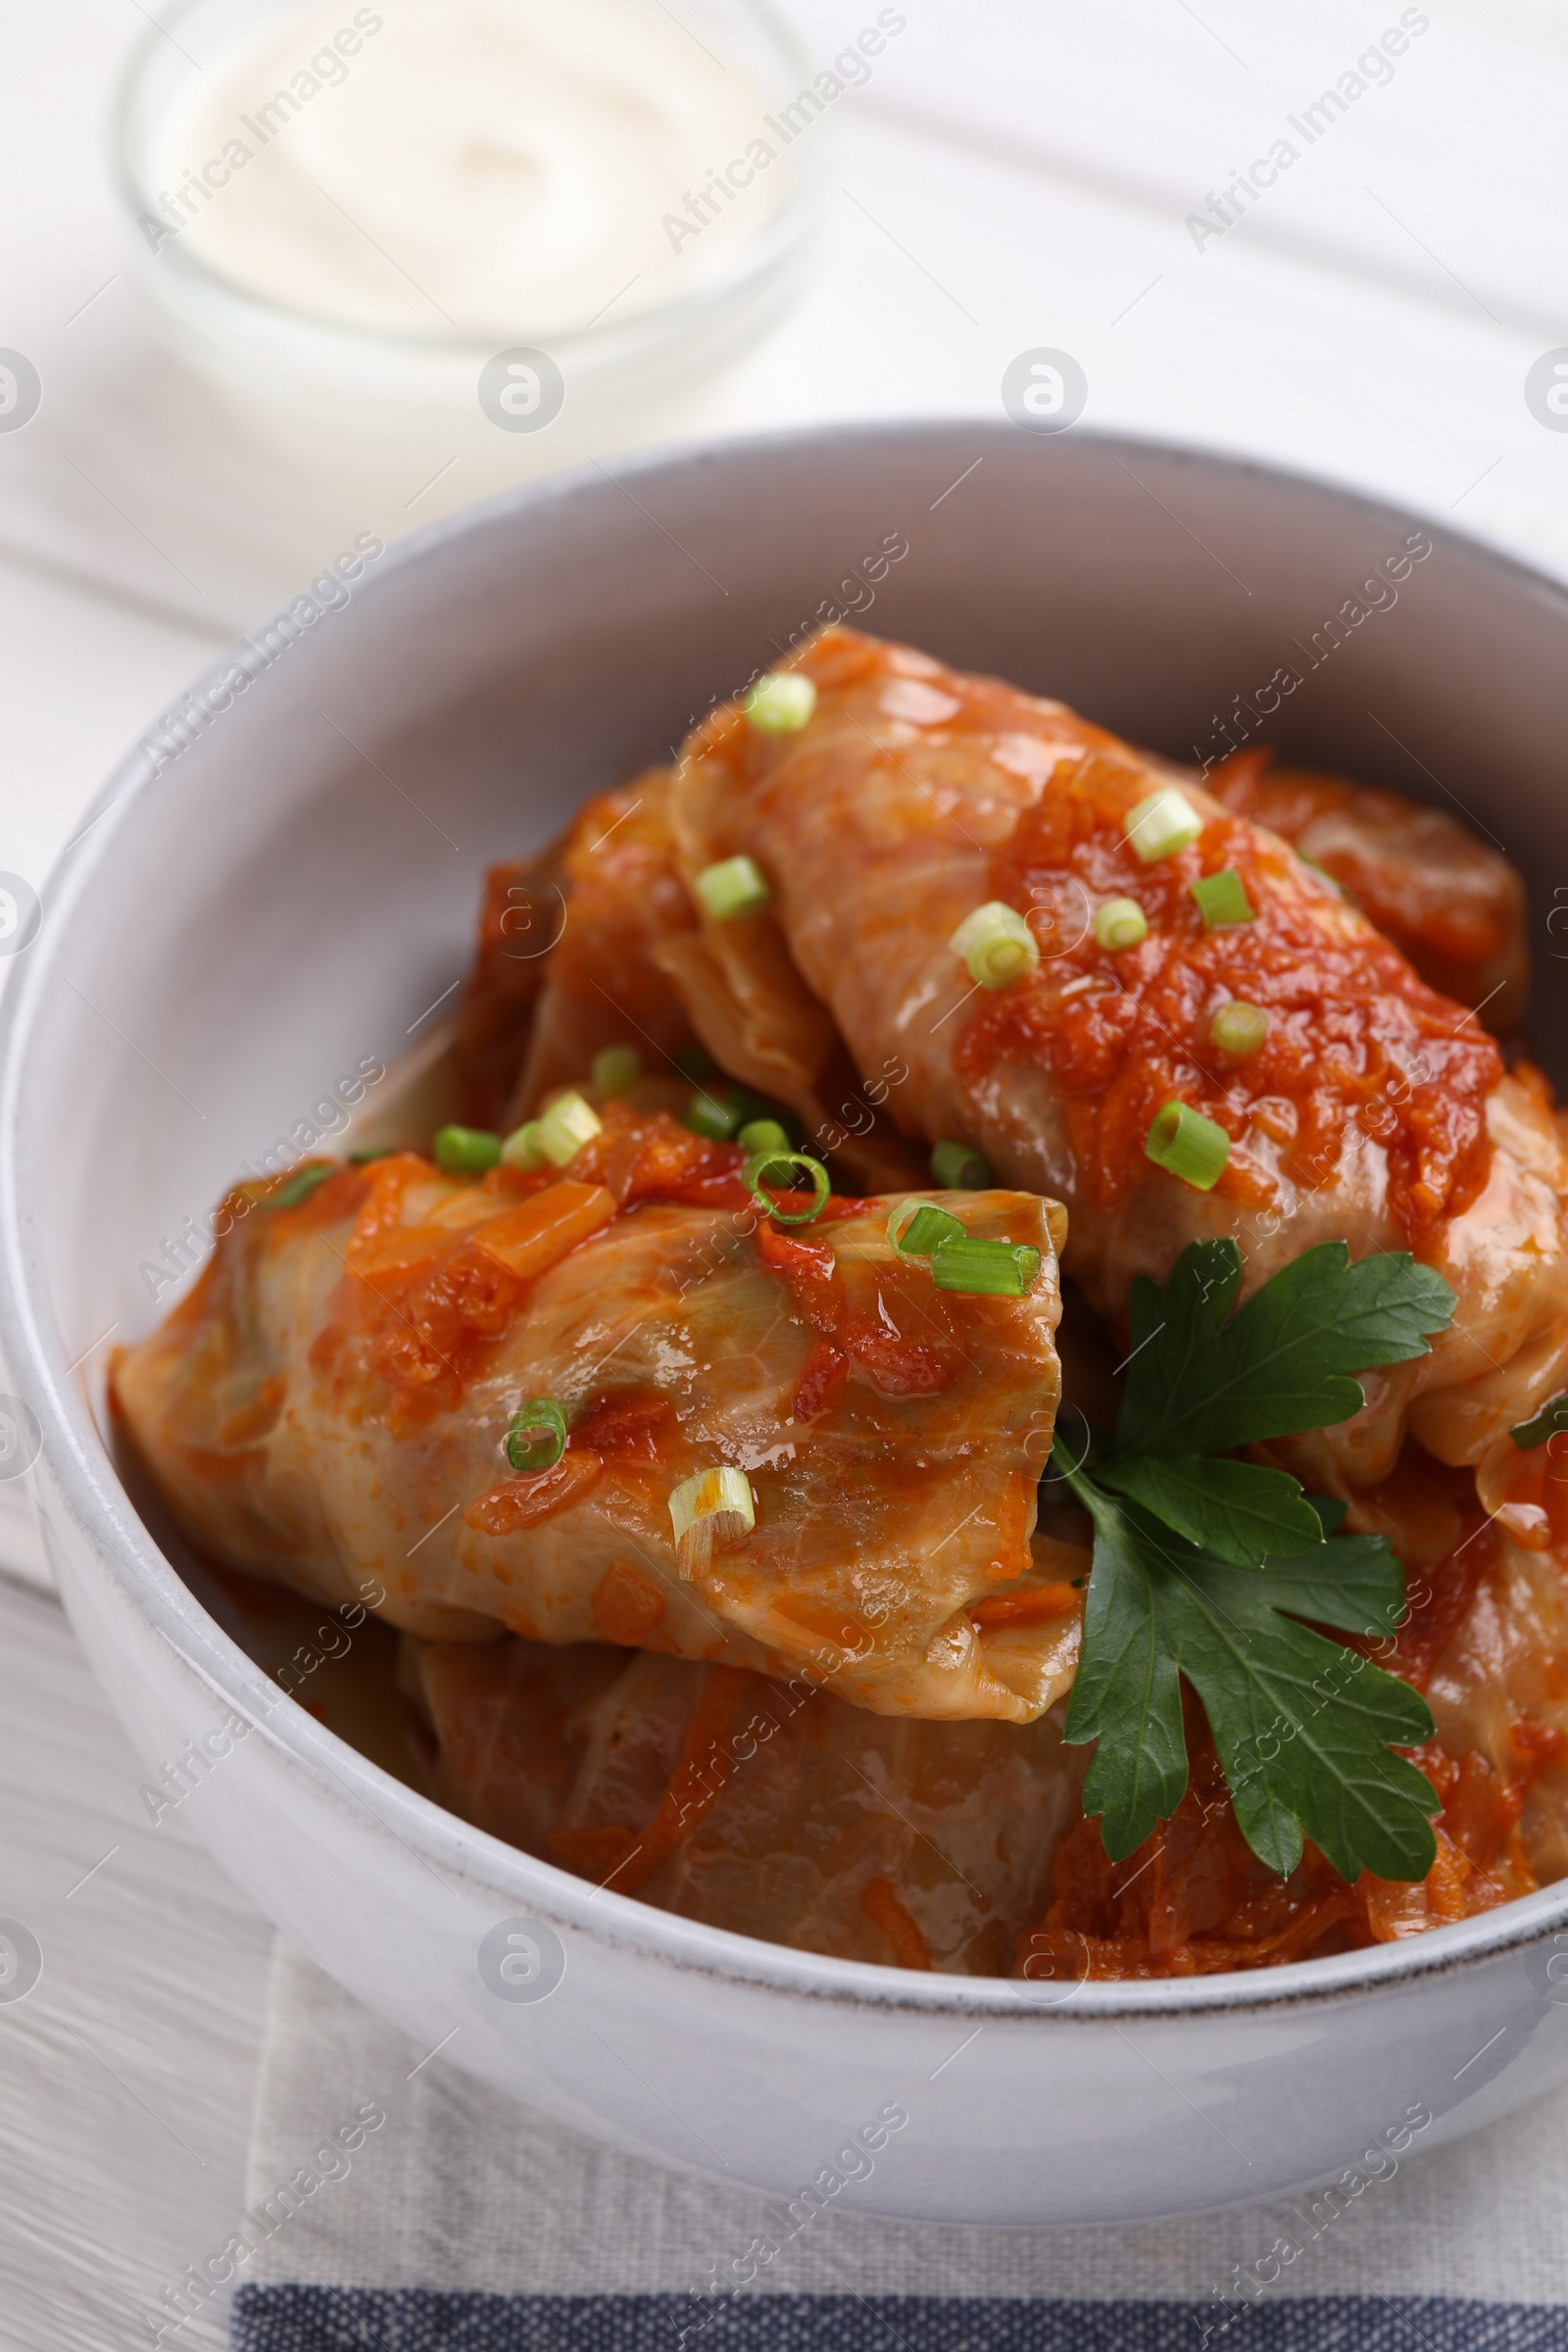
(609, 365)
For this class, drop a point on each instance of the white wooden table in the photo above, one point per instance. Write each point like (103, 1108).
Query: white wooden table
(1015, 175)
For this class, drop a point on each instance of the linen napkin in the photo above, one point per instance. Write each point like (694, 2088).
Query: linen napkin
(458, 2221)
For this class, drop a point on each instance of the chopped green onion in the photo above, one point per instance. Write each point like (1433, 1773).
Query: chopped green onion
(1238, 1028)
(711, 1510)
(763, 1134)
(781, 701)
(733, 886)
(996, 944)
(1163, 823)
(960, 1167)
(363, 1159)
(693, 1063)
(617, 1069)
(1120, 923)
(554, 1138)
(706, 1115)
(916, 1228)
(537, 1437)
(1341, 890)
(560, 1131)
(719, 1117)
(986, 1269)
(522, 1149)
(299, 1188)
(1222, 899)
(765, 1163)
(1187, 1145)
(465, 1151)
(1548, 1423)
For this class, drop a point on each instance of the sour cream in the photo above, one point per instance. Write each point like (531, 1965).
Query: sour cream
(466, 167)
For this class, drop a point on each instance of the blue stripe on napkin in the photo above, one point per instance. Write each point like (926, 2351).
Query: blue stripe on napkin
(327, 2319)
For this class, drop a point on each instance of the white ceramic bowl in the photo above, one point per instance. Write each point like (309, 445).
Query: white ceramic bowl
(292, 893)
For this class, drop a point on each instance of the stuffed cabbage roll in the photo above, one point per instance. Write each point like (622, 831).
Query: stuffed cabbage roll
(565, 961)
(593, 942)
(1448, 900)
(335, 1397)
(769, 1808)
(1350, 1102)
(772, 1809)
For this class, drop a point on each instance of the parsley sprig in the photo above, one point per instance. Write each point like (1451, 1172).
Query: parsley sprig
(1204, 1566)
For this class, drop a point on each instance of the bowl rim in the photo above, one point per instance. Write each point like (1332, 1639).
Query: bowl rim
(193, 280)
(76, 1462)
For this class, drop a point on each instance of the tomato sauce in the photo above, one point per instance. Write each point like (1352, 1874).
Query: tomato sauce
(1373, 857)
(860, 1330)
(430, 1300)
(1355, 1037)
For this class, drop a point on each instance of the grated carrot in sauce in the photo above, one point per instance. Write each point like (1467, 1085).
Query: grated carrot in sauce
(1193, 1899)
(632, 1856)
(884, 1910)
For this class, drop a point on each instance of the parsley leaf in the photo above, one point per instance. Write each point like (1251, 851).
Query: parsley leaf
(1201, 1380)
(1240, 1511)
(1127, 1693)
(1206, 1568)
(1548, 1423)
(1303, 1727)
(301, 1185)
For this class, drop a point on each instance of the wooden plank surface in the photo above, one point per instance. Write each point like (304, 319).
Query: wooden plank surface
(127, 2072)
